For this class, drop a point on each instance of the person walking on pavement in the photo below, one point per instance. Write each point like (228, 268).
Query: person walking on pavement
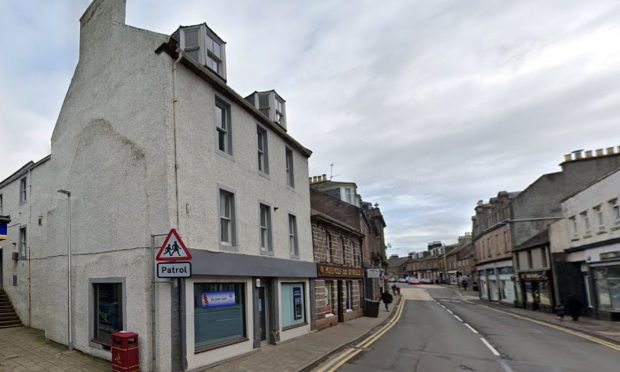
(387, 298)
(464, 284)
(573, 307)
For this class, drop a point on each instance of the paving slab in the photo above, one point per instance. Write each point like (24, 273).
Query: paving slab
(27, 349)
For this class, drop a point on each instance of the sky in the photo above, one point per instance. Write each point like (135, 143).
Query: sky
(429, 106)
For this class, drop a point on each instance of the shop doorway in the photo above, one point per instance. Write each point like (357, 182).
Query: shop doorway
(264, 313)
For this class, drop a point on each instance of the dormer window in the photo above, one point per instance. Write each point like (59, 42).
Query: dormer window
(204, 46)
(279, 111)
(271, 105)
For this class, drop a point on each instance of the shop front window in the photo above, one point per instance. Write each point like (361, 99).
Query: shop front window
(219, 316)
(293, 305)
(608, 287)
(108, 315)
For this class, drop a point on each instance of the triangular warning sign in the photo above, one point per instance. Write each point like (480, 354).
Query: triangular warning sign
(173, 249)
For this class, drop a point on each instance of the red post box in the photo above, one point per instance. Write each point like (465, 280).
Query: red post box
(125, 352)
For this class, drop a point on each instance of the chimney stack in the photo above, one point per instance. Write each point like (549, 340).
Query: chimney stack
(610, 151)
(577, 154)
(588, 154)
(599, 152)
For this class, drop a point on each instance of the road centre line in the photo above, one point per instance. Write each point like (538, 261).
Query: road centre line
(458, 318)
(489, 346)
(470, 328)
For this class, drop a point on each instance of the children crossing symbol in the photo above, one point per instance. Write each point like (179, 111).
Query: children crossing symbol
(173, 249)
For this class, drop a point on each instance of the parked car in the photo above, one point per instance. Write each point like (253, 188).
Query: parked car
(413, 281)
(402, 280)
(425, 280)
(392, 280)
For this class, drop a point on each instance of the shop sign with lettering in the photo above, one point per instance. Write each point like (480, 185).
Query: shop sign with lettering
(327, 271)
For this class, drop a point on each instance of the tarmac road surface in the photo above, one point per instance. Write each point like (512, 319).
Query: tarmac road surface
(440, 331)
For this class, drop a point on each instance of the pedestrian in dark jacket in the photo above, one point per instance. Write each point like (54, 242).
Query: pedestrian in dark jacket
(560, 312)
(573, 307)
(387, 298)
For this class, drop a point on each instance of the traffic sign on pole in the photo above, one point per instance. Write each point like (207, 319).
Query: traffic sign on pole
(173, 248)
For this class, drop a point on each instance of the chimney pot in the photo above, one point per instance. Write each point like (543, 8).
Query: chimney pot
(567, 157)
(599, 152)
(588, 153)
(324, 177)
(577, 155)
(610, 151)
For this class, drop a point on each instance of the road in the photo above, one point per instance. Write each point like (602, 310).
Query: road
(439, 331)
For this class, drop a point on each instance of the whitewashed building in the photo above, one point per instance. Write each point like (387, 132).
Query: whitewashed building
(151, 137)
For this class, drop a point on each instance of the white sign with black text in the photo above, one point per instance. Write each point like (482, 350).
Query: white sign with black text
(174, 269)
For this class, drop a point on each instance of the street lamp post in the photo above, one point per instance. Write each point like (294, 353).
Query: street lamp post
(69, 313)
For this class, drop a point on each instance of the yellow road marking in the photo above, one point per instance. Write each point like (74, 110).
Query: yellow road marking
(351, 352)
(560, 328)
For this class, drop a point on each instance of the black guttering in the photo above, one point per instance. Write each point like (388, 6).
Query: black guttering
(170, 48)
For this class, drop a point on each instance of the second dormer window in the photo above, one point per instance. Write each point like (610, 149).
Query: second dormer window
(214, 55)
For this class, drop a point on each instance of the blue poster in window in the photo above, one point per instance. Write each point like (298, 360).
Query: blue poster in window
(217, 299)
(297, 304)
(3, 231)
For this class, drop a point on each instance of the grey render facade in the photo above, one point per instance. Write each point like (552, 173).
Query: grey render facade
(149, 138)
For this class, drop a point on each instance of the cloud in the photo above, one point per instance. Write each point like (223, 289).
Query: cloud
(427, 106)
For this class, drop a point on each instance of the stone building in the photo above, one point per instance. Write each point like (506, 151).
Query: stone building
(535, 209)
(150, 136)
(337, 244)
(397, 266)
(493, 249)
(371, 224)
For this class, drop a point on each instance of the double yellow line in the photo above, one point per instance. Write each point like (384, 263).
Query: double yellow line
(351, 351)
(599, 341)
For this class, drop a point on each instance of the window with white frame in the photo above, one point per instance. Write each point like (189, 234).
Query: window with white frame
(290, 172)
(292, 236)
(586, 221)
(23, 242)
(348, 195)
(615, 210)
(279, 111)
(23, 190)
(215, 55)
(598, 211)
(265, 228)
(262, 149)
(227, 218)
(573, 226)
(223, 127)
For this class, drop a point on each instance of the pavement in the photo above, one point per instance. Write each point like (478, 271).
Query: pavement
(303, 353)
(26, 349)
(448, 332)
(604, 329)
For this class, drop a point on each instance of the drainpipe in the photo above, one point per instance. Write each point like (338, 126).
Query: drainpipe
(174, 126)
(28, 248)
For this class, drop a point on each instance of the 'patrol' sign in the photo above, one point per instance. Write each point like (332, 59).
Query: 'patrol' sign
(174, 269)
